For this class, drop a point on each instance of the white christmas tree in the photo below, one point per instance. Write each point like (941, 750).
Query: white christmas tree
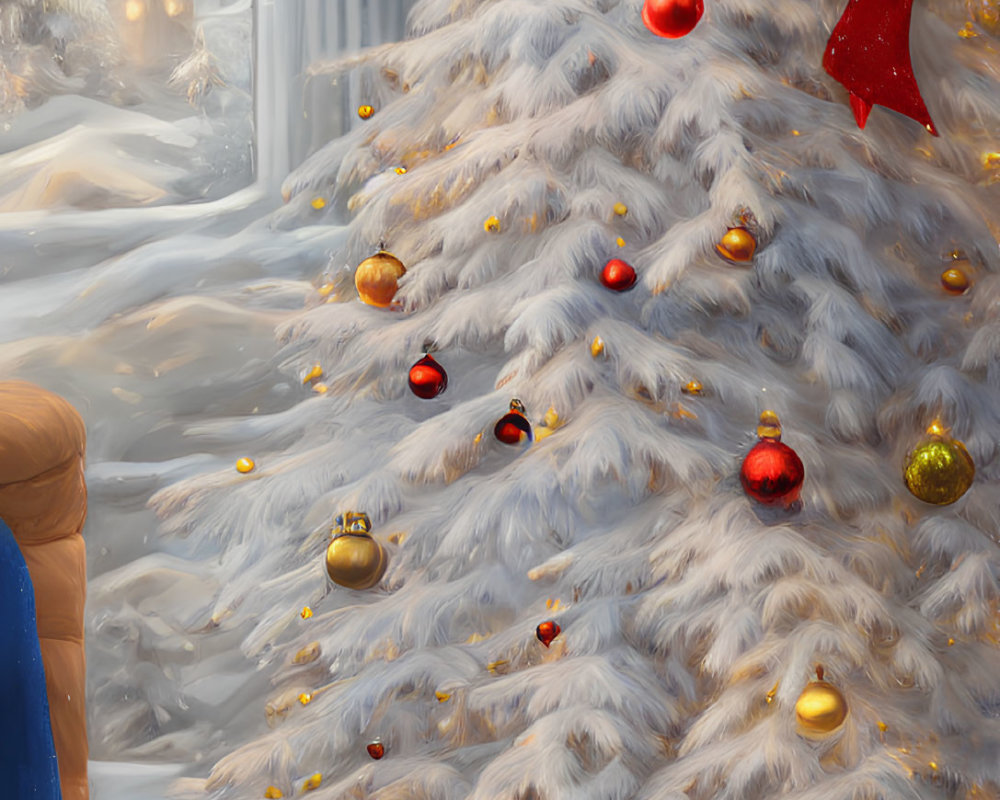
(515, 147)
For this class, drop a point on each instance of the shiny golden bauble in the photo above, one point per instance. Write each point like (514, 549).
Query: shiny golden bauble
(377, 278)
(737, 245)
(821, 708)
(954, 280)
(365, 111)
(355, 560)
(939, 470)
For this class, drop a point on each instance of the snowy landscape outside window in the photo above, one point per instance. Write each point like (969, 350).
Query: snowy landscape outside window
(137, 103)
(124, 103)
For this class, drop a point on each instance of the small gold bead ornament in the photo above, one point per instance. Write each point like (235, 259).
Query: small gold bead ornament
(365, 111)
(353, 558)
(737, 245)
(954, 280)
(245, 465)
(821, 708)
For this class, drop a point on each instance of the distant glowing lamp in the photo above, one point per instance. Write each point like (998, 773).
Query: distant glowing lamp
(174, 8)
(135, 10)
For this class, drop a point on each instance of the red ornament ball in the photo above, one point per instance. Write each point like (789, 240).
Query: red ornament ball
(772, 473)
(618, 275)
(547, 631)
(428, 378)
(512, 428)
(672, 19)
(376, 749)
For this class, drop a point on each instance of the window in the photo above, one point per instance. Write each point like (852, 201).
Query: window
(146, 103)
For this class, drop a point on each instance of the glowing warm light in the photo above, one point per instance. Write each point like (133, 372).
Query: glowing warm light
(174, 8)
(135, 10)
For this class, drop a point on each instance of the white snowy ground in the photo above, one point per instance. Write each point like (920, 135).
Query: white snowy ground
(111, 780)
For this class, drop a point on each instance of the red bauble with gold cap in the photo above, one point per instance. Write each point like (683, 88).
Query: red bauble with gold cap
(672, 19)
(513, 427)
(772, 473)
(427, 378)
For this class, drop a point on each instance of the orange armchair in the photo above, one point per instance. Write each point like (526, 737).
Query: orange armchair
(43, 499)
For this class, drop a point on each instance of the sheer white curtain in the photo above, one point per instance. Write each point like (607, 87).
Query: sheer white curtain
(295, 114)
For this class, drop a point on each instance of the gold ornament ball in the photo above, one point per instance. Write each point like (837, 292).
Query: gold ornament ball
(377, 278)
(737, 245)
(954, 280)
(365, 111)
(245, 465)
(820, 709)
(939, 471)
(355, 560)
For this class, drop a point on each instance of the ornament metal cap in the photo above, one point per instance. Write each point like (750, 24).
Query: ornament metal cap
(937, 428)
(769, 426)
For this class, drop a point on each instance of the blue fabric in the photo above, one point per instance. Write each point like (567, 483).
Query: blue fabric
(28, 768)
